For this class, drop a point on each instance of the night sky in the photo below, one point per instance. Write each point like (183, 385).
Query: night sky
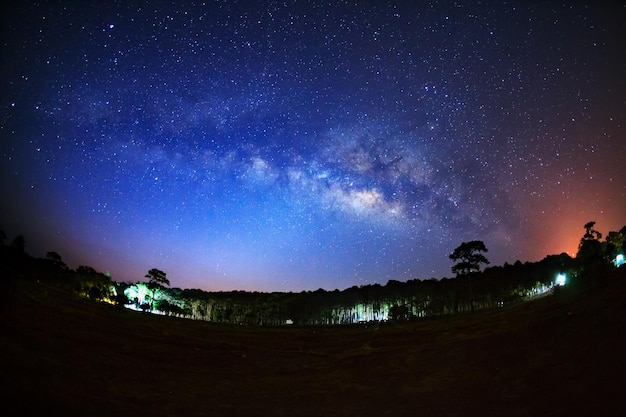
(296, 145)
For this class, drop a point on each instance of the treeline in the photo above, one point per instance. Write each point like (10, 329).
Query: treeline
(16, 266)
(495, 287)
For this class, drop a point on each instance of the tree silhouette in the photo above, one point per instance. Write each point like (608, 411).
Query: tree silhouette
(157, 280)
(19, 244)
(590, 246)
(92, 283)
(56, 259)
(614, 245)
(590, 232)
(470, 257)
(591, 259)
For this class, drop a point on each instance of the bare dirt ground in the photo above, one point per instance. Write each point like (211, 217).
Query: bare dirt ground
(563, 355)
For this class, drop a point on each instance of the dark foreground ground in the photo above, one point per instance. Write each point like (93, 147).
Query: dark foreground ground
(563, 355)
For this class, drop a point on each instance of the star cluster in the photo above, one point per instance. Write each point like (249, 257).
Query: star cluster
(296, 145)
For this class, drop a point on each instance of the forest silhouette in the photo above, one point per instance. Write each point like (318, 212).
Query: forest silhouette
(471, 289)
(69, 353)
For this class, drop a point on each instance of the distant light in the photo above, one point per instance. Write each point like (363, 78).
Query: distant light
(619, 259)
(138, 291)
(560, 279)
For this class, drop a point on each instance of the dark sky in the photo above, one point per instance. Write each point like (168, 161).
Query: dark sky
(298, 145)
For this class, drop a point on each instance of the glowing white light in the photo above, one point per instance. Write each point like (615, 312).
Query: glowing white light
(560, 279)
(619, 259)
(138, 291)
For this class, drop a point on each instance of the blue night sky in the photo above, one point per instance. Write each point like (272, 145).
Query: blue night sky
(296, 145)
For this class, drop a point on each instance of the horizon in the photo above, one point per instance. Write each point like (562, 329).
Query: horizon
(301, 146)
(144, 281)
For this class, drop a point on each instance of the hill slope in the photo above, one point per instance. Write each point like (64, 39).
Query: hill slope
(560, 355)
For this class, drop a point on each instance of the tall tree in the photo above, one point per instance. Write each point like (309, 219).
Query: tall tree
(590, 232)
(470, 256)
(592, 263)
(590, 246)
(157, 280)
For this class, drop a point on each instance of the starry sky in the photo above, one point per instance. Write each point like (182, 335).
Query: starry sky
(296, 145)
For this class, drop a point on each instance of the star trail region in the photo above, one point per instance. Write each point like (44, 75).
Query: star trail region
(300, 145)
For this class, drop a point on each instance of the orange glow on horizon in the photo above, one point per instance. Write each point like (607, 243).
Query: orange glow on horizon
(562, 231)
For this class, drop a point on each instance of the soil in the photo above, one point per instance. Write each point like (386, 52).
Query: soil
(562, 355)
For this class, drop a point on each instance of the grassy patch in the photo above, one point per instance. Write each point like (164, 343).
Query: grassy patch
(560, 355)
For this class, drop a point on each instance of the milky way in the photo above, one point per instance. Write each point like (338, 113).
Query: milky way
(295, 145)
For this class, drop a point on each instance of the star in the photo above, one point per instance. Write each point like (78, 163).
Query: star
(289, 147)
